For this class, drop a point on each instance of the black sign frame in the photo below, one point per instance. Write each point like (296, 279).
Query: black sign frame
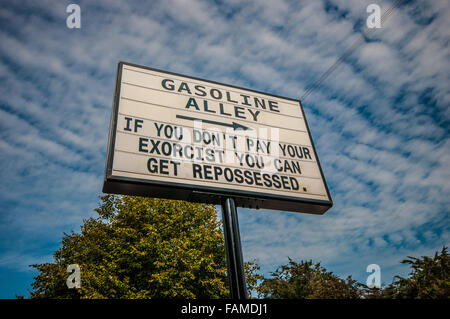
(199, 193)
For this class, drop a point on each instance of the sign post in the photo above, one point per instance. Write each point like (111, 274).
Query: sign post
(233, 248)
(179, 137)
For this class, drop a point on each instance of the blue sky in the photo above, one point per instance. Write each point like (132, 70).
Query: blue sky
(380, 122)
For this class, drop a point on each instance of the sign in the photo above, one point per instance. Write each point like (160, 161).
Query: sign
(180, 137)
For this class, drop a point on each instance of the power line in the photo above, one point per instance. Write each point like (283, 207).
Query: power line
(367, 33)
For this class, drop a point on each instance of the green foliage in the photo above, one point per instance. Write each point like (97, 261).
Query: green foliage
(141, 248)
(306, 280)
(429, 278)
(252, 277)
(154, 248)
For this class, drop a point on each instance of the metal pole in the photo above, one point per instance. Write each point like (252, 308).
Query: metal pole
(236, 275)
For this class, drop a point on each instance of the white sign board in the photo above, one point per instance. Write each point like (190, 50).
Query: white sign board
(180, 137)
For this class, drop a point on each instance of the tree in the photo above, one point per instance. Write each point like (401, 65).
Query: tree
(252, 277)
(306, 280)
(140, 248)
(154, 248)
(429, 278)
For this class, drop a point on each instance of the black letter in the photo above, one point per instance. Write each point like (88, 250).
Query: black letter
(137, 124)
(128, 119)
(238, 176)
(200, 88)
(208, 172)
(248, 177)
(245, 99)
(285, 181)
(274, 106)
(276, 181)
(163, 166)
(197, 169)
(267, 180)
(171, 87)
(217, 172)
(153, 169)
(306, 152)
(184, 87)
(142, 144)
(219, 94)
(192, 102)
(294, 183)
(238, 111)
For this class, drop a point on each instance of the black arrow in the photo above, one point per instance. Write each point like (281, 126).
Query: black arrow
(234, 125)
